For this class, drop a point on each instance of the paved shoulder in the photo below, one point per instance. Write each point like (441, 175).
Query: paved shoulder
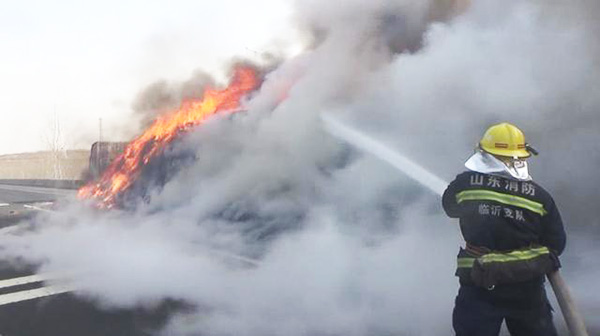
(24, 194)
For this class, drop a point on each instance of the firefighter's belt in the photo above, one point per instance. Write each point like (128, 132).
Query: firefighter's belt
(487, 268)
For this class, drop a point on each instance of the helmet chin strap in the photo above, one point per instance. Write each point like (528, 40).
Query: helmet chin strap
(486, 163)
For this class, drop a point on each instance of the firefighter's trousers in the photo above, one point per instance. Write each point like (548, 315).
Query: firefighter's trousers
(480, 312)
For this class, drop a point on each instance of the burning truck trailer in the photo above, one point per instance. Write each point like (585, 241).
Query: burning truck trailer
(150, 161)
(156, 141)
(152, 175)
(176, 157)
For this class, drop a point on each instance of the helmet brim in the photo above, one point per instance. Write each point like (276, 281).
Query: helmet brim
(506, 152)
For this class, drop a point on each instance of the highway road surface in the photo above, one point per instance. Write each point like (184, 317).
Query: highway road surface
(25, 194)
(61, 314)
(20, 202)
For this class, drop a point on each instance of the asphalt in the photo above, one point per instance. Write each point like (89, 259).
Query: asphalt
(10, 194)
(62, 314)
(68, 315)
(18, 203)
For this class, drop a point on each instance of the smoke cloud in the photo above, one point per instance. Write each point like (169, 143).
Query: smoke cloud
(162, 97)
(343, 243)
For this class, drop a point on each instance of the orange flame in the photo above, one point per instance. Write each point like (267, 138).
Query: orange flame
(126, 168)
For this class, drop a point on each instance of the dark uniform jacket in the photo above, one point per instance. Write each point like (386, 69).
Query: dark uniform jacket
(503, 214)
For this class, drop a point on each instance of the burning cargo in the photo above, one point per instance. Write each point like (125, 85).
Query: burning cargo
(127, 167)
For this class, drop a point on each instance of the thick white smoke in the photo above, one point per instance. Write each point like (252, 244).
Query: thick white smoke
(344, 243)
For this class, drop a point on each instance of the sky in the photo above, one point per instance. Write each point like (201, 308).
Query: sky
(72, 63)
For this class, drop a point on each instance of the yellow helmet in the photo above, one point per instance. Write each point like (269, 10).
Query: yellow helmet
(505, 139)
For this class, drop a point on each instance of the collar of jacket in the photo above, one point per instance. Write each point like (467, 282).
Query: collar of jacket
(486, 163)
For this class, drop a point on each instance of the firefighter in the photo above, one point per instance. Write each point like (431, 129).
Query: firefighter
(514, 235)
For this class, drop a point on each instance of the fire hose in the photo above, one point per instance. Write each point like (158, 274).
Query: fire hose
(434, 183)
